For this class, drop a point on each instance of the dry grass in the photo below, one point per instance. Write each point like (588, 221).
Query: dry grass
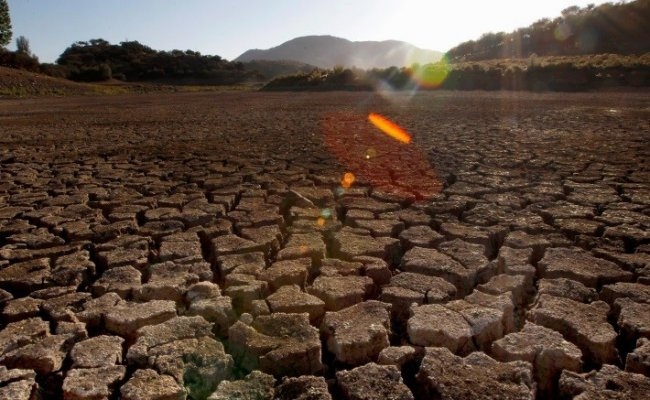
(598, 61)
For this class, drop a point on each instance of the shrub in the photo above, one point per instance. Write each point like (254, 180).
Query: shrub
(18, 60)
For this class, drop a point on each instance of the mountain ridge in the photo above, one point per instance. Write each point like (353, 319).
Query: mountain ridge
(326, 51)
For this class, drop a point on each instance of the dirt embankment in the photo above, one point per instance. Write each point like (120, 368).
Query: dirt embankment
(18, 83)
(15, 83)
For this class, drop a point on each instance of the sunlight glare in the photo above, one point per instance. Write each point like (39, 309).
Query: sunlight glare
(371, 153)
(562, 32)
(430, 76)
(390, 128)
(348, 180)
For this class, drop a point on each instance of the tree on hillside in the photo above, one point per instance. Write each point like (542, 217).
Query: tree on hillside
(5, 24)
(21, 59)
(22, 45)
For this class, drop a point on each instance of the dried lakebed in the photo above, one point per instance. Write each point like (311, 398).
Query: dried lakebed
(278, 246)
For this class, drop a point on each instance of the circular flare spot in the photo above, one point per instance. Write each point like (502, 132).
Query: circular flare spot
(430, 76)
(562, 31)
(348, 180)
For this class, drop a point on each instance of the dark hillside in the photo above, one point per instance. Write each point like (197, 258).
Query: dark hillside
(620, 28)
(550, 73)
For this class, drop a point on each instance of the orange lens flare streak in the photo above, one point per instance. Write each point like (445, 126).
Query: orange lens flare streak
(388, 127)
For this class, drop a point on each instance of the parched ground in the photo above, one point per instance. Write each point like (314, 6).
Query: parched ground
(278, 246)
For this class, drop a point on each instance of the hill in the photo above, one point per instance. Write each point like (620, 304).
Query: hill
(99, 60)
(17, 83)
(620, 28)
(330, 51)
(20, 83)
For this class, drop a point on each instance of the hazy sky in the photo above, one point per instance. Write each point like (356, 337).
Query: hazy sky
(230, 27)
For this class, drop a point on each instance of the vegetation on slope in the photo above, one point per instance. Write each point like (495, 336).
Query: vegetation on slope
(132, 61)
(559, 73)
(98, 60)
(620, 28)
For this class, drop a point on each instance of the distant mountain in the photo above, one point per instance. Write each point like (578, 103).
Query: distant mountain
(330, 51)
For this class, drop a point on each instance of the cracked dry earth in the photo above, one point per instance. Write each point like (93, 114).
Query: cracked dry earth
(208, 246)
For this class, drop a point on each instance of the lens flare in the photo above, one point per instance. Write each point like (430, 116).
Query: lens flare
(320, 221)
(348, 180)
(377, 160)
(430, 76)
(562, 31)
(390, 128)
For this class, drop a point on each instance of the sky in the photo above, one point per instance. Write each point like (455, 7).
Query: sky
(230, 27)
